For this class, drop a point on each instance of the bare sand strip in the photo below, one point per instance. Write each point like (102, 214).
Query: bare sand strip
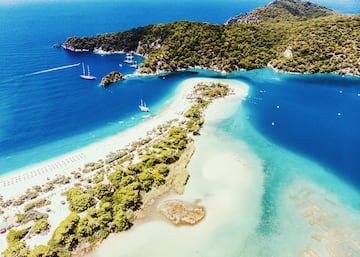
(225, 177)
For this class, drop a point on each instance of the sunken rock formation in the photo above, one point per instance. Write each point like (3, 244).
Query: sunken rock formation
(182, 213)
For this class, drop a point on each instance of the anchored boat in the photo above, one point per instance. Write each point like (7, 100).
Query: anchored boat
(88, 76)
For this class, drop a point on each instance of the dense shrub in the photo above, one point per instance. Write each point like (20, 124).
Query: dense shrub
(79, 201)
(40, 226)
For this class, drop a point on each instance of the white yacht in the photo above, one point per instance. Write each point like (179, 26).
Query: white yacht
(134, 65)
(86, 76)
(129, 58)
(143, 107)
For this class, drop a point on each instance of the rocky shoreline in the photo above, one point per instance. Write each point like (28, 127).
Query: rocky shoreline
(139, 71)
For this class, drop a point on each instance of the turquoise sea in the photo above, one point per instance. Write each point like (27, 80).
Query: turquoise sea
(303, 128)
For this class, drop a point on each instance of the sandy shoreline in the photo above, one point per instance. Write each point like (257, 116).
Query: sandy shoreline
(16, 183)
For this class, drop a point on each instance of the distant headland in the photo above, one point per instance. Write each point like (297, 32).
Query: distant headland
(286, 35)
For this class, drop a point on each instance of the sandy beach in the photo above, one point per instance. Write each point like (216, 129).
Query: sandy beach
(225, 177)
(15, 184)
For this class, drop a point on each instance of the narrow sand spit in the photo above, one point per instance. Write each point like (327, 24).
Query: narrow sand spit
(225, 178)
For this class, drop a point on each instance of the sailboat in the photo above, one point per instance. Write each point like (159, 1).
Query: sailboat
(129, 58)
(88, 76)
(143, 107)
(134, 65)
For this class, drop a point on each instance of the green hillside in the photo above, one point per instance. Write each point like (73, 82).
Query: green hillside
(283, 10)
(324, 44)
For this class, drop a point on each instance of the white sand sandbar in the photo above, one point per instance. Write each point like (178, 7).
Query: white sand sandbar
(225, 177)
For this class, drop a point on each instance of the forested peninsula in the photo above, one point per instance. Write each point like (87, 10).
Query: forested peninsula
(287, 35)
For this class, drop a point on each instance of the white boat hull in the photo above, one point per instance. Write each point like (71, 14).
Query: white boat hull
(144, 108)
(88, 77)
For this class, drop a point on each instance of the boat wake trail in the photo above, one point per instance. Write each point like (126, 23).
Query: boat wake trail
(55, 69)
(17, 77)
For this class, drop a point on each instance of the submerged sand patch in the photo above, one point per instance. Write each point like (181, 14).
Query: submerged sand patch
(181, 212)
(307, 211)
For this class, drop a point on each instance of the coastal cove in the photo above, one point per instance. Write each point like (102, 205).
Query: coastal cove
(272, 167)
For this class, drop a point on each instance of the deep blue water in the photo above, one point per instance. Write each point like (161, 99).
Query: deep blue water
(47, 114)
(311, 115)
